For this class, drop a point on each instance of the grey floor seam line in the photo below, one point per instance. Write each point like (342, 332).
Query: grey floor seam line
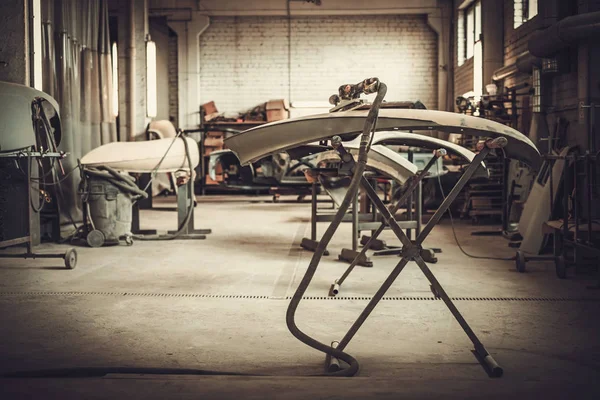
(258, 297)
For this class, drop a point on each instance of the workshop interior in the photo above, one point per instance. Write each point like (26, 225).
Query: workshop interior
(253, 199)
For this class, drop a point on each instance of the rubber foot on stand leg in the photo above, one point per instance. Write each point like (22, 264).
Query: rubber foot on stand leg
(349, 255)
(334, 289)
(332, 364)
(428, 255)
(493, 369)
(376, 244)
(311, 245)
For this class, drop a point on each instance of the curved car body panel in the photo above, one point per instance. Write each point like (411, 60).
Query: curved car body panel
(398, 138)
(274, 137)
(17, 130)
(381, 159)
(144, 157)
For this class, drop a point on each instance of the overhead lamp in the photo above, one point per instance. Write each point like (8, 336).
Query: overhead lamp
(478, 70)
(115, 79)
(151, 95)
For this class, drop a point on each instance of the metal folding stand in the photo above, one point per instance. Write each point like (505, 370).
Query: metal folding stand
(407, 191)
(354, 216)
(312, 243)
(417, 214)
(142, 204)
(351, 254)
(365, 222)
(183, 202)
(412, 250)
(413, 221)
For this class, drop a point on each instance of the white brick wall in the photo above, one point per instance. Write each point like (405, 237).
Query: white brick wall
(244, 60)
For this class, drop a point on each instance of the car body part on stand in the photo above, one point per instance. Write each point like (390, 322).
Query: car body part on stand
(178, 155)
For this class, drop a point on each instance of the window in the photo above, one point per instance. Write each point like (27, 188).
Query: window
(524, 11)
(469, 30)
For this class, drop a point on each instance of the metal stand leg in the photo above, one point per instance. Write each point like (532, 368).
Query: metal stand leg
(350, 255)
(419, 207)
(141, 204)
(412, 253)
(312, 243)
(183, 202)
(313, 215)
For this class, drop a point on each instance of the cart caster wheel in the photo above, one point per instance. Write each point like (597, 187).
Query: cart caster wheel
(275, 199)
(561, 267)
(520, 261)
(70, 259)
(95, 238)
(129, 240)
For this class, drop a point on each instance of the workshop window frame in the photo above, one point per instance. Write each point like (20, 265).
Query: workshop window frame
(524, 11)
(469, 30)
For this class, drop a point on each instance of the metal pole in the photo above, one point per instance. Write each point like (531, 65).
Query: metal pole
(565, 206)
(575, 209)
(505, 197)
(313, 214)
(373, 209)
(590, 175)
(419, 208)
(409, 203)
(355, 222)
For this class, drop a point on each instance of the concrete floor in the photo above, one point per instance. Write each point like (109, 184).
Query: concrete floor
(219, 304)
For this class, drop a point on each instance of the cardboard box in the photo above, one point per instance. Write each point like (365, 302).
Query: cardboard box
(209, 150)
(277, 110)
(209, 180)
(213, 142)
(210, 110)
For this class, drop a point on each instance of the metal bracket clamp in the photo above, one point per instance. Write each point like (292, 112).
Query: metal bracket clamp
(497, 143)
(440, 153)
(347, 161)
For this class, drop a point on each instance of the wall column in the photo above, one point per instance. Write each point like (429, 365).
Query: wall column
(132, 70)
(493, 37)
(439, 22)
(188, 34)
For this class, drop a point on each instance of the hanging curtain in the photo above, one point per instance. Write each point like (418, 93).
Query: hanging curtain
(77, 73)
